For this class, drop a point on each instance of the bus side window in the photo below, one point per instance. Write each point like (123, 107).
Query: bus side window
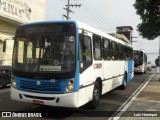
(120, 52)
(97, 47)
(85, 48)
(85, 52)
(114, 50)
(124, 53)
(106, 51)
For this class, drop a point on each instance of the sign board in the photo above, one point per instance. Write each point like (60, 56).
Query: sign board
(23, 11)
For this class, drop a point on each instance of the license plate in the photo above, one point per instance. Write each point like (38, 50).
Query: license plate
(38, 102)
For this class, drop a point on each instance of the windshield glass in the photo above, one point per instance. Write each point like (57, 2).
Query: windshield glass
(45, 49)
(138, 58)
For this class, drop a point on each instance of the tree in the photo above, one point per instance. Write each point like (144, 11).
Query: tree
(157, 61)
(149, 12)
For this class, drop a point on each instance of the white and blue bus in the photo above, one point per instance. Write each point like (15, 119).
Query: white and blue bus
(67, 64)
(140, 61)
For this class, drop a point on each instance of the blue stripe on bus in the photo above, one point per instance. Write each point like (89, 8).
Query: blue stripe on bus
(130, 69)
(76, 81)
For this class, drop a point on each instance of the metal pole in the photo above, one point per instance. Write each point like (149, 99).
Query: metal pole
(159, 47)
(68, 10)
(159, 53)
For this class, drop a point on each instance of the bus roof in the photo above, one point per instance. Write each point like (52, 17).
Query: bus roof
(47, 22)
(105, 35)
(139, 51)
(82, 26)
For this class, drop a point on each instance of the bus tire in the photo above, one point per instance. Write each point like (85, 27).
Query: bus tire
(123, 86)
(93, 104)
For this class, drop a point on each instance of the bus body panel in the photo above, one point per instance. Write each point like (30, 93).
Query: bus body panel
(85, 94)
(87, 80)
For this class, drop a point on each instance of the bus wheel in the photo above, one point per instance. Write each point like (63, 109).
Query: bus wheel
(96, 96)
(123, 86)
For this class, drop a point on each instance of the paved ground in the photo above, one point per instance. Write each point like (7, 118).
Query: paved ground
(147, 104)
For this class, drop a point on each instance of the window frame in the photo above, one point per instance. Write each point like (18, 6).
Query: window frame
(83, 65)
(114, 54)
(106, 51)
(99, 47)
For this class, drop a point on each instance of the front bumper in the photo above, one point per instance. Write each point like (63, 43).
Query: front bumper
(61, 100)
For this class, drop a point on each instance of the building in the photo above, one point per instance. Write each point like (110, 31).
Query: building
(12, 14)
(121, 36)
(126, 31)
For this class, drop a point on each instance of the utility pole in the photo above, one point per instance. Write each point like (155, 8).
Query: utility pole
(68, 10)
(159, 55)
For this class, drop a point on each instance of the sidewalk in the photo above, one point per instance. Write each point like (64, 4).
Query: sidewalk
(147, 103)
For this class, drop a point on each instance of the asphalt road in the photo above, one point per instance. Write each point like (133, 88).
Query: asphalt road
(109, 104)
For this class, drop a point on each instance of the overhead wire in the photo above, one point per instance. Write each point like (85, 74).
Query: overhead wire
(93, 10)
(99, 15)
(95, 15)
(86, 13)
(92, 17)
(103, 16)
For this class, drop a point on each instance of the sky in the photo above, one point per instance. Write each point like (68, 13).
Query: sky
(105, 15)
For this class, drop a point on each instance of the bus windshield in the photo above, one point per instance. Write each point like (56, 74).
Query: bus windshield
(138, 58)
(46, 48)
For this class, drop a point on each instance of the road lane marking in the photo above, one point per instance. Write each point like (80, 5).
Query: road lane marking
(128, 102)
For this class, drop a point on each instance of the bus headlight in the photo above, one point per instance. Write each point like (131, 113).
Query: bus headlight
(13, 82)
(70, 86)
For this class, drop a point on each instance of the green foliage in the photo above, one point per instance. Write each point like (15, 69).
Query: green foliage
(149, 11)
(157, 61)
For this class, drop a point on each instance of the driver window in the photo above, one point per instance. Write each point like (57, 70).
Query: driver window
(85, 48)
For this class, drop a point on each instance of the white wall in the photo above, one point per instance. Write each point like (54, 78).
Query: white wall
(12, 14)
(23, 11)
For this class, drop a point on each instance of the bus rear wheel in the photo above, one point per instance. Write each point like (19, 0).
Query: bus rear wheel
(96, 96)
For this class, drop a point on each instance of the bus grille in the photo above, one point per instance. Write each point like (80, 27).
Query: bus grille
(42, 86)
